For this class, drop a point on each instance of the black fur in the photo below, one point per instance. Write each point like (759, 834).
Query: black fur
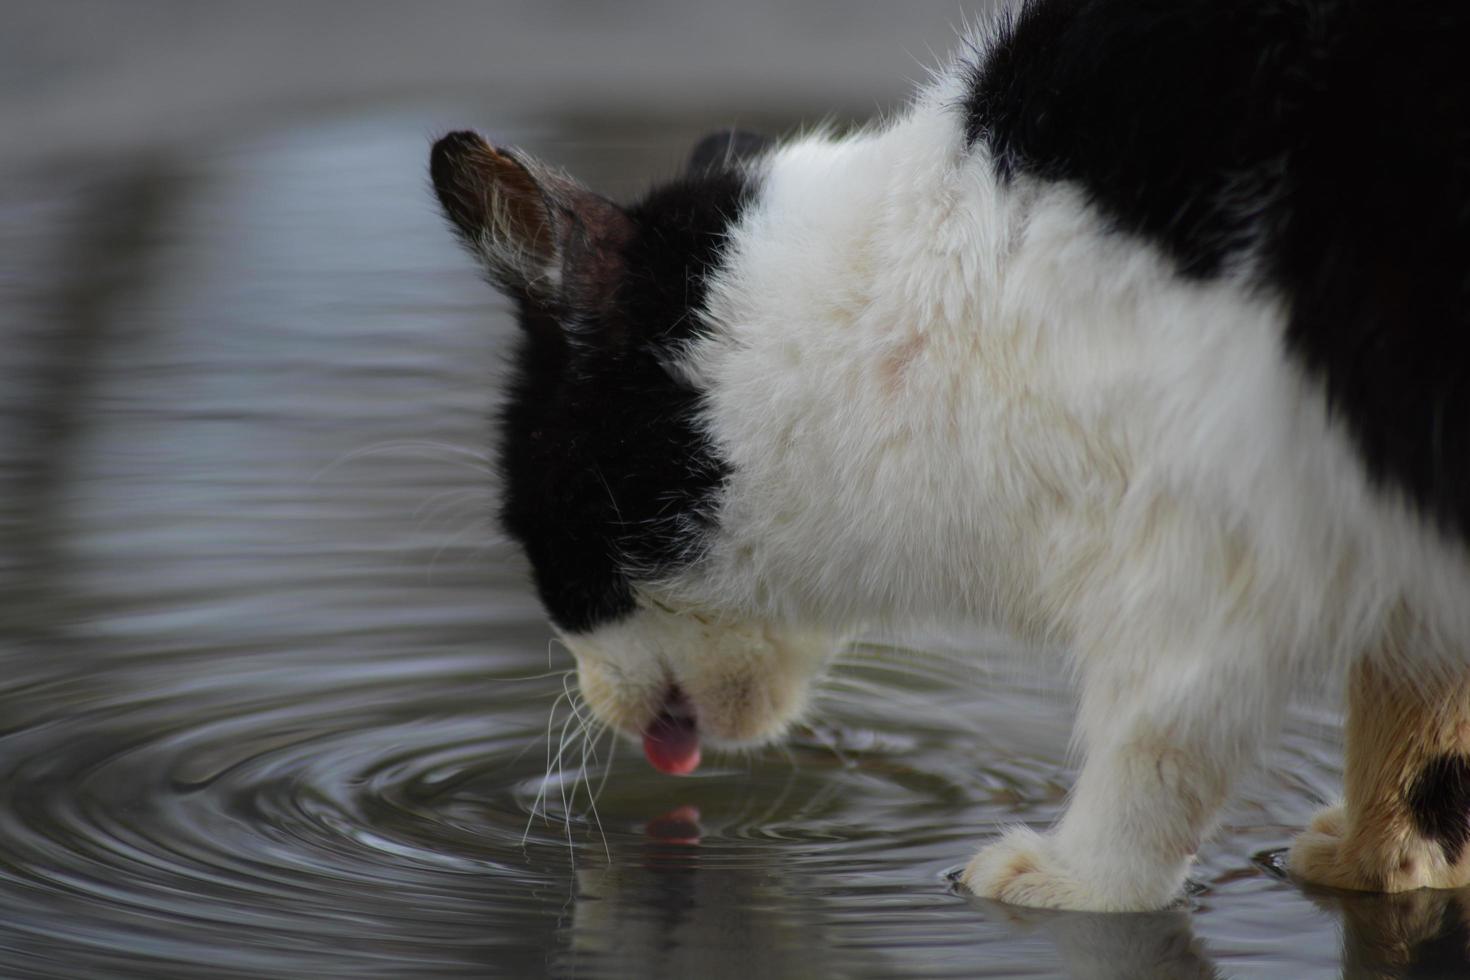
(1439, 802)
(1330, 139)
(606, 474)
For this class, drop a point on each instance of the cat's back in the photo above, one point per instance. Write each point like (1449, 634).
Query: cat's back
(1319, 149)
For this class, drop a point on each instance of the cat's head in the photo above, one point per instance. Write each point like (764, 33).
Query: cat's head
(610, 483)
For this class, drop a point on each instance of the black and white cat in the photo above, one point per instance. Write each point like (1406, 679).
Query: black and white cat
(1144, 332)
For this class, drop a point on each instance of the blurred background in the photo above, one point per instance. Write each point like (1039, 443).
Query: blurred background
(276, 699)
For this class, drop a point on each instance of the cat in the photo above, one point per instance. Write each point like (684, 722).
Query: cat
(1143, 332)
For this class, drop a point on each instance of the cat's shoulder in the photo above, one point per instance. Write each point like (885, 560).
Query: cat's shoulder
(1318, 149)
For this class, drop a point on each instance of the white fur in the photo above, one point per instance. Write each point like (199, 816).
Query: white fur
(948, 399)
(747, 680)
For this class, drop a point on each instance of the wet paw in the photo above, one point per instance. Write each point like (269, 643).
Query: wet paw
(1018, 870)
(1333, 853)
(1316, 855)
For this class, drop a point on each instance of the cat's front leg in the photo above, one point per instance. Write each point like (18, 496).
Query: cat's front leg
(1161, 753)
(1405, 820)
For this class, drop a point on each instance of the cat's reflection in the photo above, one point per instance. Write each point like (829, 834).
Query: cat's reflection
(1415, 935)
(673, 910)
(1418, 934)
(669, 906)
(1119, 946)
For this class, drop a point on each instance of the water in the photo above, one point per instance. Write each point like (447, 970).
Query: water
(277, 701)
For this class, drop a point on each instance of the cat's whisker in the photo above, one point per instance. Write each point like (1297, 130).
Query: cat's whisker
(589, 745)
(568, 752)
(437, 503)
(898, 657)
(855, 679)
(858, 693)
(830, 744)
(612, 751)
(903, 673)
(578, 735)
(476, 460)
(845, 684)
(828, 789)
(583, 733)
(490, 543)
(536, 803)
(562, 787)
(537, 677)
(445, 546)
(793, 771)
(552, 714)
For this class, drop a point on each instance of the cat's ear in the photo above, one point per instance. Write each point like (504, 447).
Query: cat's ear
(725, 147)
(543, 236)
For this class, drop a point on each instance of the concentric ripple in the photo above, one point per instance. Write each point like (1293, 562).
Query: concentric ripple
(242, 832)
(365, 818)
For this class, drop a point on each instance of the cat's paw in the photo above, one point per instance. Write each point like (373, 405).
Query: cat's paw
(1022, 868)
(1387, 858)
(1316, 855)
(1019, 870)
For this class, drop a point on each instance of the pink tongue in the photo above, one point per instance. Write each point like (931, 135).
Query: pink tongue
(672, 745)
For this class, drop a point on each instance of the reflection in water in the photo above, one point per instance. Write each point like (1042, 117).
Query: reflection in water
(1420, 934)
(1157, 945)
(279, 704)
(661, 912)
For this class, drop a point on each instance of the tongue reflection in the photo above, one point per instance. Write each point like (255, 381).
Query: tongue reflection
(672, 743)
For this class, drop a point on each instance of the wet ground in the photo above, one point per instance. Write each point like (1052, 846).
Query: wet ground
(276, 699)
